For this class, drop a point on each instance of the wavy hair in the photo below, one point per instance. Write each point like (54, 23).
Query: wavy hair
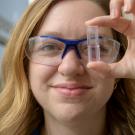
(17, 104)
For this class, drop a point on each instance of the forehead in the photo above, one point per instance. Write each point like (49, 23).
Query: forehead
(67, 18)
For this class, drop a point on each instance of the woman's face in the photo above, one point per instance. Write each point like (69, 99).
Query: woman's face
(70, 90)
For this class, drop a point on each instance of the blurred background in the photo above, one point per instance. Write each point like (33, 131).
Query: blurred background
(10, 12)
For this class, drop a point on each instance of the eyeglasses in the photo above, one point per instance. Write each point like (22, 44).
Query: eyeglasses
(50, 50)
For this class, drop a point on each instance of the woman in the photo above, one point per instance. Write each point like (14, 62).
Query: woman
(48, 95)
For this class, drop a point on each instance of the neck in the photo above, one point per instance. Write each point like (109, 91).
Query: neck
(90, 125)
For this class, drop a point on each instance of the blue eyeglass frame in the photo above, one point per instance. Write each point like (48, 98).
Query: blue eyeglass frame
(69, 44)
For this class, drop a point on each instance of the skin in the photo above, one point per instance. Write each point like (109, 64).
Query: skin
(71, 115)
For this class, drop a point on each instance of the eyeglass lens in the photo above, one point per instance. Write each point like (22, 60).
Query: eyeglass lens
(48, 51)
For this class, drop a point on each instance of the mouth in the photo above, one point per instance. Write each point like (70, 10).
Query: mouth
(71, 89)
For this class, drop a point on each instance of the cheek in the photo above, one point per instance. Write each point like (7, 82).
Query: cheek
(103, 87)
(39, 76)
(105, 90)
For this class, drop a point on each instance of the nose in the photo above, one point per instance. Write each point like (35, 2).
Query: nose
(71, 65)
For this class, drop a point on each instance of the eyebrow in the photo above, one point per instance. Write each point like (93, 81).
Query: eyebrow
(58, 34)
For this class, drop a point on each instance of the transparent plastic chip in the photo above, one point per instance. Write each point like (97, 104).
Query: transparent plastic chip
(93, 43)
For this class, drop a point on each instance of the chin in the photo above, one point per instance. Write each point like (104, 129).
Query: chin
(70, 113)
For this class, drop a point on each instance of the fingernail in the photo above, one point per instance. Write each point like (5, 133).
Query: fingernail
(113, 13)
(86, 23)
(88, 65)
(125, 9)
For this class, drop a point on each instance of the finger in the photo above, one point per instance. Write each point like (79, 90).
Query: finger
(122, 69)
(129, 6)
(115, 8)
(120, 24)
(114, 70)
(102, 68)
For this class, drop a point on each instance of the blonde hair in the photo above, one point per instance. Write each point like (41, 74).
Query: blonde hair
(17, 102)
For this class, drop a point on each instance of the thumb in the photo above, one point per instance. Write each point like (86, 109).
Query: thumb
(113, 70)
(103, 69)
(119, 69)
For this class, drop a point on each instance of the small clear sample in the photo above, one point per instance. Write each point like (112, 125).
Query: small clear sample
(93, 43)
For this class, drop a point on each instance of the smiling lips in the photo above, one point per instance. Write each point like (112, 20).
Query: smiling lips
(72, 90)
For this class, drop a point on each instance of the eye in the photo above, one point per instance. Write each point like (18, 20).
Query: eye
(49, 49)
(104, 49)
(83, 47)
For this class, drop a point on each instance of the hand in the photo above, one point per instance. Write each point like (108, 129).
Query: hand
(125, 68)
(116, 6)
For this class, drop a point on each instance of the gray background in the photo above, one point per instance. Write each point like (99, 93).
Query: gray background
(10, 11)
